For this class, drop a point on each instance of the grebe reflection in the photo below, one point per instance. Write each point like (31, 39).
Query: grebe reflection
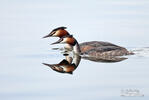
(67, 65)
(70, 63)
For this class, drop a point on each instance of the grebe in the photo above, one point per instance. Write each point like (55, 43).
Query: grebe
(93, 48)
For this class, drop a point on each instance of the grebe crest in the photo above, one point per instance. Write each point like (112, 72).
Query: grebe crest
(57, 32)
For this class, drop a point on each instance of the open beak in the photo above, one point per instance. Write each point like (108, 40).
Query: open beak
(59, 41)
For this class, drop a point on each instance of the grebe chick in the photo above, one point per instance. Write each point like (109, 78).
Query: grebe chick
(57, 32)
(94, 48)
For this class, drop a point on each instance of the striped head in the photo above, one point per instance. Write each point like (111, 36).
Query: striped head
(57, 32)
(69, 39)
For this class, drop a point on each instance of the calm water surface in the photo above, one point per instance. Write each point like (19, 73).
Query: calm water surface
(24, 77)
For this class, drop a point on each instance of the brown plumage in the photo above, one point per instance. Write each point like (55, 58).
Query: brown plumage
(92, 48)
(57, 32)
(99, 48)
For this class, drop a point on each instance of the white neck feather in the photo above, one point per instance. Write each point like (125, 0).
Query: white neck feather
(76, 48)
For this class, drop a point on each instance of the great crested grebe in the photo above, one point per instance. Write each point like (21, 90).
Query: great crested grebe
(92, 48)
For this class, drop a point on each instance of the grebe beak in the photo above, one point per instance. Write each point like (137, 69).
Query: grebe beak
(49, 35)
(47, 64)
(59, 41)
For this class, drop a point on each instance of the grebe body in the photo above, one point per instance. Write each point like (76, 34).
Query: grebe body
(94, 48)
(99, 48)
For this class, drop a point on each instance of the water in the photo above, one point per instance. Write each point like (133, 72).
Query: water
(23, 23)
(24, 77)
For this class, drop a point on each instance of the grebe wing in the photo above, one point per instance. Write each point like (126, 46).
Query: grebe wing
(97, 44)
(103, 49)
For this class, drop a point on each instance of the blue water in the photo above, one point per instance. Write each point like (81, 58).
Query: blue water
(24, 23)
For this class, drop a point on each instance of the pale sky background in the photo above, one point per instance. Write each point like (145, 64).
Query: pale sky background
(123, 22)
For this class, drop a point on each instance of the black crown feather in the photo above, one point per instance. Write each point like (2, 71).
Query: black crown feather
(59, 28)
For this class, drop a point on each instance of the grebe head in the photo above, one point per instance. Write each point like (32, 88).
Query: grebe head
(57, 32)
(69, 39)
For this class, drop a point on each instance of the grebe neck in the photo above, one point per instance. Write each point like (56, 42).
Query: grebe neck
(76, 48)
